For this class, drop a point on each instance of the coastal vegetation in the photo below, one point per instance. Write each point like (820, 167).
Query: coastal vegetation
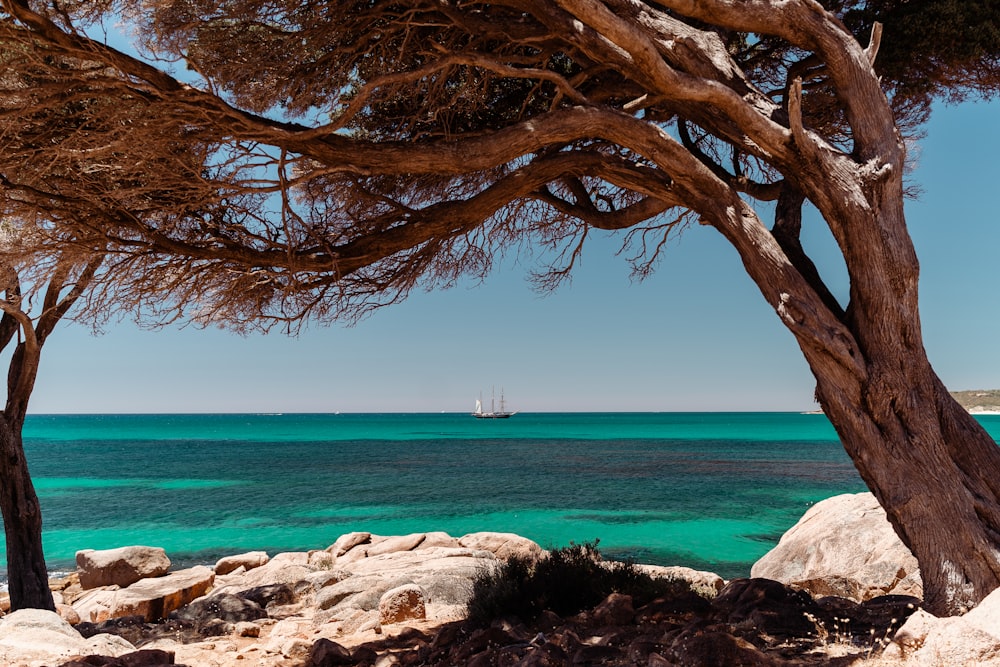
(320, 160)
(564, 581)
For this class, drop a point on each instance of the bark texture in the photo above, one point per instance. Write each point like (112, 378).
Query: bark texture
(27, 576)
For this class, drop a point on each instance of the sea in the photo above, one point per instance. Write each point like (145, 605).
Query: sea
(711, 491)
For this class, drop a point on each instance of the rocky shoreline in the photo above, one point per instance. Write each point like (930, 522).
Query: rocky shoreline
(380, 601)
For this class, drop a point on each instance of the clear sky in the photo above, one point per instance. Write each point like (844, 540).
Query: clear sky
(695, 336)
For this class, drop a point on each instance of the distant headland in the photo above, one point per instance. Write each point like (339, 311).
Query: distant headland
(978, 401)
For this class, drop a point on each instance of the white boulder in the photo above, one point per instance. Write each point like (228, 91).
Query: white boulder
(843, 546)
(973, 639)
(36, 636)
(247, 561)
(502, 545)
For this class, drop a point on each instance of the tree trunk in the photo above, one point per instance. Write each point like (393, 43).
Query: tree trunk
(27, 576)
(934, 470)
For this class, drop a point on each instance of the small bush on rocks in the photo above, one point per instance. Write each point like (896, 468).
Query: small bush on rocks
(567, 581)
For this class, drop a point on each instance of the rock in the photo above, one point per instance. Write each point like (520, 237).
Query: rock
(444, 574)
(327, 653)
(68, 613)
(707, 584)
(347, 542)
(275, 571)
(843, 546)
(225, 606)
(153, 599)
(331, 596)
(324, 578)
(143, 658)
(38, 637)
(696, 648)
(287, 558)
(911, 636)
(246, 629)
(278, 594)
(439, 539)
(368, 600)
(767, 606)
(502, 545)
(37, 627)
(107, 645)
(616, 609)
(321, 559)
(403, 603)
(433, 559)
(215, 627)
(394, 544)
(972, 639)
(447, 588)
(247, 561)
(120, 567)
(288, 637)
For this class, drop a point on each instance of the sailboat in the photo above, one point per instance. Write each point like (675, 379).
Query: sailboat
(493, 413)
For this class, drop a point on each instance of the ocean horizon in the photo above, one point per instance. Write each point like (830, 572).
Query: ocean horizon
(708, 490)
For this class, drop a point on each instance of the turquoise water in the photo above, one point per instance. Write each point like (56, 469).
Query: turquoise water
(707, 490)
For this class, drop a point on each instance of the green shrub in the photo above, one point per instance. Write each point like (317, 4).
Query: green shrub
(566, 581)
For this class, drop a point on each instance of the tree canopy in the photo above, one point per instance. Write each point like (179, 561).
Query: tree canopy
(324, 158)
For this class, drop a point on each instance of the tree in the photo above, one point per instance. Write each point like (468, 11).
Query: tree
(323, 159)
(28, 582)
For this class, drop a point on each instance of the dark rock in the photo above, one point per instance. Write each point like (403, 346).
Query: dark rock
(446, 636)
(674, 608)
(148, 658)
(616, 609)
(142, 658)
(547, 655)
(136, 631)
(484, 639)
(713, 649)
(484, 659)
(548, 620)
(594, 655)
(765, 606)
(215, 627)
(638, 650)
(225, 606)
(115, 626)
(365, 655)
(274, 594)
(325, 653)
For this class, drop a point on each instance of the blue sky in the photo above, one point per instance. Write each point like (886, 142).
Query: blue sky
(695, 336)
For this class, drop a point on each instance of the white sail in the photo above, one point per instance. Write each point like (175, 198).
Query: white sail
(502, 413)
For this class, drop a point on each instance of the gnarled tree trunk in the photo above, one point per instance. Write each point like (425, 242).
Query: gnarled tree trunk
(932, 467)
(27, 577)
(934, 471)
